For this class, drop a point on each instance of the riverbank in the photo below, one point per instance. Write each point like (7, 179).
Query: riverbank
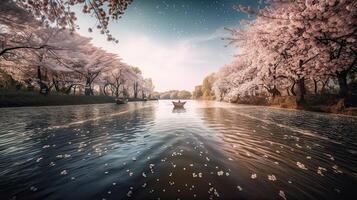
(28, 98)
(315, 103)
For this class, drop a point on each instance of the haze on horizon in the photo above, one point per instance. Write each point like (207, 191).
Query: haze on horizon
(176, 43)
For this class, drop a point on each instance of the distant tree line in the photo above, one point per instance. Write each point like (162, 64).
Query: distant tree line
(173, 94)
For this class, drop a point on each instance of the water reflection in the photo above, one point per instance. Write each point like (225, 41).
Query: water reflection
(282, 146)
(178, 110)
(148, 151)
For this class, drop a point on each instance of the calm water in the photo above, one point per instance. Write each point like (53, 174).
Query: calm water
(148, 150)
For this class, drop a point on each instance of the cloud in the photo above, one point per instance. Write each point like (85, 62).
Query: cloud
(171, 66)
(179, 64)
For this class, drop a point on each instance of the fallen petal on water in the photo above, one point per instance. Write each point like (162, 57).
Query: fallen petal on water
(254, 176)
(301, 166)
(282, 194)
(239, 188)
(271, 177)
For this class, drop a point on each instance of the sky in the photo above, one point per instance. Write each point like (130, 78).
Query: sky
(175, 42)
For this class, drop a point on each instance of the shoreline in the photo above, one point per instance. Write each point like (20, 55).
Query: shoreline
(307, 110)
(31, 99)
(46, 104)
(349, 112)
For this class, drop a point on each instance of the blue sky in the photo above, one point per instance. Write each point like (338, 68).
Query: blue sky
(175, 42)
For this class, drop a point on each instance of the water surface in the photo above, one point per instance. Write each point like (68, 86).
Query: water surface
(147, 150)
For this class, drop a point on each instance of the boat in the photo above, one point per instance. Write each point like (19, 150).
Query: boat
(178, 104)
(121, 101)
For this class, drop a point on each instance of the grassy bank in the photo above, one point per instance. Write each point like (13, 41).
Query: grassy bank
(14, 98)
(316, 103)
(27, 98)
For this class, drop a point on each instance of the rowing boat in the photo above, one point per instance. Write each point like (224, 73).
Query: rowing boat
(121, 101)
(179, 104)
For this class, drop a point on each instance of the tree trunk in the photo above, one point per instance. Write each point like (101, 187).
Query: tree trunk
(105, 89)
(43, 87)
(292, 89)
(88, 88)
(301, 91)
(56, 84)
(342, 82)
(74, 90)
(39, 74)
(315, 86)
(274, 91)
(67, 90)
(135, 90)
(116, 92)
(324, 83)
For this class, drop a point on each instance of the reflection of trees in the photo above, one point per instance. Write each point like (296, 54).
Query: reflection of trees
(45, 117)
(239, 134)
(224, 118)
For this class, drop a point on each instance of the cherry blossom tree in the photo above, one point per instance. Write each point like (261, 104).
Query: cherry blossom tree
(17, 29)
(89, 62)
(291, 43)
(60, 12)
(147, 88)
(46, 61)
(56, 58)
(137, 81)
(117, 78)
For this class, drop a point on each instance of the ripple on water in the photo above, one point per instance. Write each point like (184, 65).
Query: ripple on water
(147, 150)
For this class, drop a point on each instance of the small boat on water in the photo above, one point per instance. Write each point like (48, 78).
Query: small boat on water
(121, 101)
(178, 104)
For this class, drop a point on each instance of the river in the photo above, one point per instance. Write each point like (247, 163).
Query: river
(148, 150)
